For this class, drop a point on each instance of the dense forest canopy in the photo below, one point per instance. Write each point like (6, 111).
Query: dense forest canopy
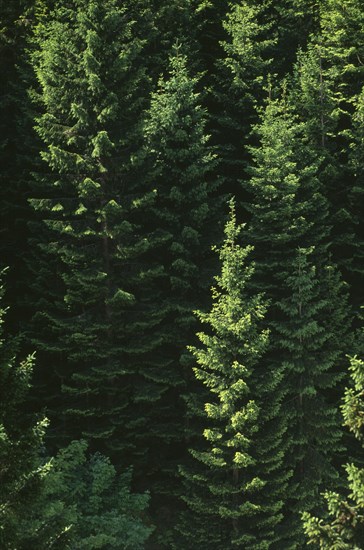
(181, 274)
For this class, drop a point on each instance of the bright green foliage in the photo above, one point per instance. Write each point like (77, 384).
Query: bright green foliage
(314, 98)
(85, 505)
(90, 71)
(231, 488)
(342, 31)
(21, 440)
(345, 528)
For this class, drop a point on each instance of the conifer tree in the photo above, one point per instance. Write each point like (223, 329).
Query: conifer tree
(307, 315)
(356, 195)
(177, 162)
(92, 90)
(84, 504)
(344, 528)
(237, 86)
(288, 208)
(234, 487)
(328, 87)
(18, 153)
(306, 350)
(21, 442)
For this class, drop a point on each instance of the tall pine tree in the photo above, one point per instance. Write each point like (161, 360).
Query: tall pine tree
(234, 487)
(307, 301)
(177, 162)
(89, 63)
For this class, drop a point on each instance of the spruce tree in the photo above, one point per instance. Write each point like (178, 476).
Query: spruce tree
(177, 162)
(85, 504)
(234, 486)
(329, 85)
(238, 80)
(21, 442)
(344, 526)
(309, 358)
(307, 316)
(88, 62)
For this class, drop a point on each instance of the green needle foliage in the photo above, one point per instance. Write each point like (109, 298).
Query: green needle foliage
(21, 442)
(344, 527)
(309, 360)
(239, 80)
(89, 66)
(336, 84)
(231, 486)
(71, 501)
(307, 315)
(84, 504)
(356, 198)
(124, 127)
(177, 162)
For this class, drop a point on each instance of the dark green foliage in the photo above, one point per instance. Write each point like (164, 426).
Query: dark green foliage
(344, 528)
(21, 441)
(71, 501)
(124, 126)
(306, 317)
(239, 80)
(356, 202)
(89, 66)
(177, 162)
(18, 153)
(231, 488)
(331, 82)
(309, 357)
(288, 208)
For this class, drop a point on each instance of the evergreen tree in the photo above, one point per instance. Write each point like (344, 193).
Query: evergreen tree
(307, 315)
(288, 208)
(344, 527)
(70, 501)
(309, 358)
(234, 488)
(237, 86)
(177, 163)
(84, 504)
(18, 151)
(356, 195)
(93, 85)
(330, 84)
(284, 18)
(21, 442)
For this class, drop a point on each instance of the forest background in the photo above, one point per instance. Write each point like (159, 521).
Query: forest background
(150, 152)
